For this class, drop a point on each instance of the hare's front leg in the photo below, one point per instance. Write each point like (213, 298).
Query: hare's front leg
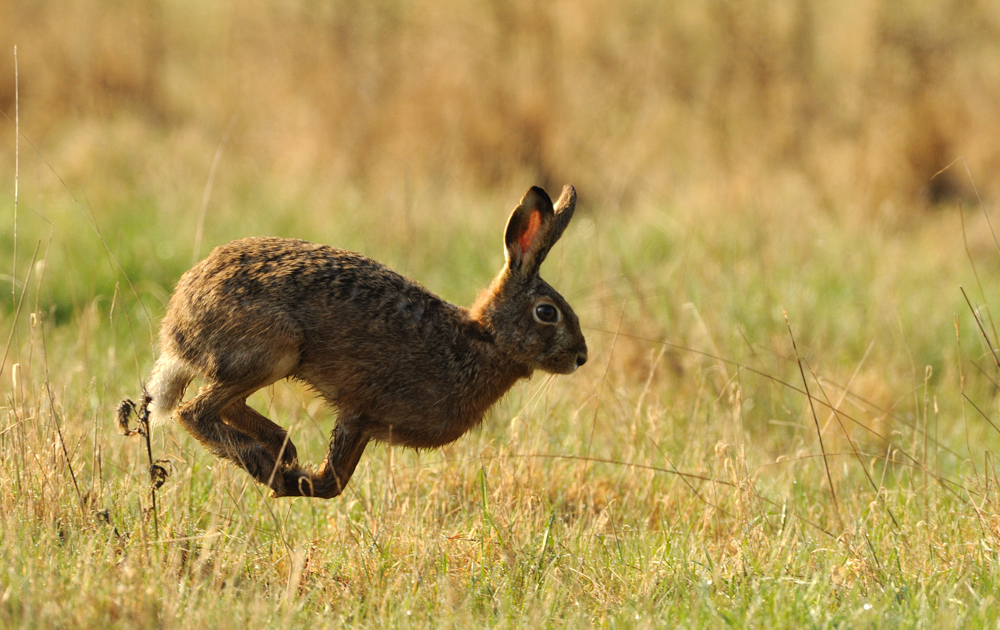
(202, 417)
(272, 437)
(346, 448)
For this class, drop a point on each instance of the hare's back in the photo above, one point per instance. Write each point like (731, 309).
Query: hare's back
(267, 272)
(256, 298)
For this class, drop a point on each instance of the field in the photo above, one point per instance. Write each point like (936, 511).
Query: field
(785, 260)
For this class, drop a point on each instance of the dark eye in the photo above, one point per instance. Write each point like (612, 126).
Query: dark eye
(546, 313)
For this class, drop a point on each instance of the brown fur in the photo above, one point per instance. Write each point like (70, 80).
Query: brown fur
(398, 363)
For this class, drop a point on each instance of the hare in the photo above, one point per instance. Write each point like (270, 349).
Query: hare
(398, 363)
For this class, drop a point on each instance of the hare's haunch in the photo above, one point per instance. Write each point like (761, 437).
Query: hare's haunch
(398, 363)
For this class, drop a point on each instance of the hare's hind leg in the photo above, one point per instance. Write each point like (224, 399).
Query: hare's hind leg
(272, 437)
(202, 417)
(346, 448)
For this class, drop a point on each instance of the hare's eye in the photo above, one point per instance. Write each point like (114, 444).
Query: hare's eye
(546, 313)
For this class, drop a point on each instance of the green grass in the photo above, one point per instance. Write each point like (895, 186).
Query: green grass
(677, 480)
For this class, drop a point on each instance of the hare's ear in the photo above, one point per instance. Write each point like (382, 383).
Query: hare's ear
(565, 206)
(535, 226)
(529, 231)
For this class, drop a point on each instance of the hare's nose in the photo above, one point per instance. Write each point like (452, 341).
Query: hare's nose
(581, 359)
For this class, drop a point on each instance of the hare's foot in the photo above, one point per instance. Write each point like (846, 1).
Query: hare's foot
(282, 449)
(279, 449)
(296, 482)
(331, 479)
(303, 482)
(260, 464)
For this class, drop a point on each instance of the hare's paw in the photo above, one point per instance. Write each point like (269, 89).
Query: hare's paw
(295, 482)
(282, 449)
(260, 464)
(289, 455)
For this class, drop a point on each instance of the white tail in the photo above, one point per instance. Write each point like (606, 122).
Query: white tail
(170, 378)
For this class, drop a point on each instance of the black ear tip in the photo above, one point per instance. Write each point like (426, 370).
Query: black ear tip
(536, 196)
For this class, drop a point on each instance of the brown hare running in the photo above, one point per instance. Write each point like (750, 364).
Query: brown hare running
(398, 363)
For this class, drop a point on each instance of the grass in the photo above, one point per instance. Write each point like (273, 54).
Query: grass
(757, 220)
(677, 480)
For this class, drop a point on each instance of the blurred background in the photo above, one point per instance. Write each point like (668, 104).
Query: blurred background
(842, 106)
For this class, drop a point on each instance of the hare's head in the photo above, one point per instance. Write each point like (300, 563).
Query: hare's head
(531, 323)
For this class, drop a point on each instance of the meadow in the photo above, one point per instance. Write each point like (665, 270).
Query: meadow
(784, 259)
